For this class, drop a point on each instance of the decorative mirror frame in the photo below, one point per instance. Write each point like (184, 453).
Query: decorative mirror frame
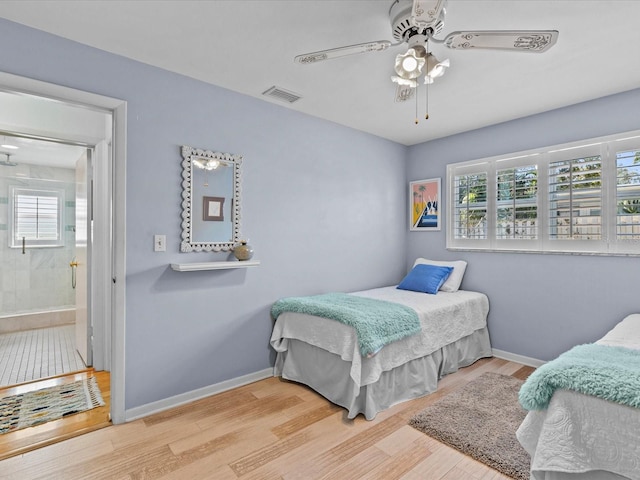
(188, 153)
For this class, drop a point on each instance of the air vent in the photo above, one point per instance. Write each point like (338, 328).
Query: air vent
(281, 94)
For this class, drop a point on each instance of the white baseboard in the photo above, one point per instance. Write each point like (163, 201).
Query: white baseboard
(177, 400)
(514, 357)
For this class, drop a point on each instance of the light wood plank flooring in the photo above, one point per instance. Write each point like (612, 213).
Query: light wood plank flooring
(271, 429)
(27, 439)
(33, 354)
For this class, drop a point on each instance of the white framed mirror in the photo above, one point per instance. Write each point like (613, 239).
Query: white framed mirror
(211, 196)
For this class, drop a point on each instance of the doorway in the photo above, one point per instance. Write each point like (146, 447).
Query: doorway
(42, 288)
(38, 116)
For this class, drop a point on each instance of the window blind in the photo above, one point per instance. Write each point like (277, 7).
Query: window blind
(36, 217)
(575, 198)
(628, 195)
(470, 206)
(516, 202)
(580, 197)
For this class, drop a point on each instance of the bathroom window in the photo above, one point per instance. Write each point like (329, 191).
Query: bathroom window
(36, 217)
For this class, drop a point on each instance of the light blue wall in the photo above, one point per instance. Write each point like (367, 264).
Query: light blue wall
(323, 206)
(541, 305)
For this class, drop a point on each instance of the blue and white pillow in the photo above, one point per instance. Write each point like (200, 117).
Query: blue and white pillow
(425, 278)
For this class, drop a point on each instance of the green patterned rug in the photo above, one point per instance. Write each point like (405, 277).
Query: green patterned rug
(40, 406)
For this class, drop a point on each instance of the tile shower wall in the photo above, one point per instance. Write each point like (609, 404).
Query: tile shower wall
(39, 279)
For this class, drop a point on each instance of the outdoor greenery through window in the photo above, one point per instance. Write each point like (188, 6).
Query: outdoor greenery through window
(36, 217)
(516, 202)
(575, 198)
(471, 211)
(628, 195)
(581, 197)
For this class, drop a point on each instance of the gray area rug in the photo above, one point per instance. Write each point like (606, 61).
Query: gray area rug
(481, 420)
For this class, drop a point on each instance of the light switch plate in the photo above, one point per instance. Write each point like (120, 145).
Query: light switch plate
(159, 243)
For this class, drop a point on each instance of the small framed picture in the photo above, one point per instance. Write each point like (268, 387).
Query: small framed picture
(424, 205)
(213, 209)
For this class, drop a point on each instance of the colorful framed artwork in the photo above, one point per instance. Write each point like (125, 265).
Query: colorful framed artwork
(212, 209)
(424, 205)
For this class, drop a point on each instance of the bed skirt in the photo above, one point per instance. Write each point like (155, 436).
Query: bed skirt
(595, 475)
(329, 375)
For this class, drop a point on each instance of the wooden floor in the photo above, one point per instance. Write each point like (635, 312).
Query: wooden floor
(271, 429)
(27, 439)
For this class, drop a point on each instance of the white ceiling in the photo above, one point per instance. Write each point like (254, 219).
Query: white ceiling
(248, 46)
(31, 151)
(47, 132)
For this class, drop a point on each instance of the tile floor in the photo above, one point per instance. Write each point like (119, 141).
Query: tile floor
(39, 353)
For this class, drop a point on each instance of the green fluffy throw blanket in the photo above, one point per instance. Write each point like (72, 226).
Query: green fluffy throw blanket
(376, 322)
(611, 373)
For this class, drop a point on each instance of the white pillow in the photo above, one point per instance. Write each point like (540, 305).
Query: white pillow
(455, 278)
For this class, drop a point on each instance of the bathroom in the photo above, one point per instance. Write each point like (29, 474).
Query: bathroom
(53, 320)
(37, 258)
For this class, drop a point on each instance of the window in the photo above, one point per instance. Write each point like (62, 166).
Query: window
(471, 205)
(36, 217)
(628, 195)
(575, 198)
(582, 197)
(516, 202)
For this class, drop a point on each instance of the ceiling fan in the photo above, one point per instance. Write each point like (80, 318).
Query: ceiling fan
(416, 22)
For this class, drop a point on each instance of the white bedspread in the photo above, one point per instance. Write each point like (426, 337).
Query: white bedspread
(579, 433)
(445, 318)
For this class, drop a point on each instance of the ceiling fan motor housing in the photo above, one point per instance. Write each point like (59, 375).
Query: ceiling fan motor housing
(402, 27)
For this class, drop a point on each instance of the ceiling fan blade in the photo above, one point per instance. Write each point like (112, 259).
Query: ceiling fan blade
(426, 13)
(519, 40)
(376, 46)
(404, 93)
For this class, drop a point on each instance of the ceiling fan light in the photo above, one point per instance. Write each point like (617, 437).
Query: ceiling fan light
(409, 82)
(435, 68)
(409, 65)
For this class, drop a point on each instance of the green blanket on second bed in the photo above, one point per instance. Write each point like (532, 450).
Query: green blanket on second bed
(376, 322)
(611, 373)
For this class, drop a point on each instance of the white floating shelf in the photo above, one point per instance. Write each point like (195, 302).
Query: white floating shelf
(192, 267)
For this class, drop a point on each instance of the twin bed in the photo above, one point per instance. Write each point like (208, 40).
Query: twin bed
(325, 354)
(591, 429)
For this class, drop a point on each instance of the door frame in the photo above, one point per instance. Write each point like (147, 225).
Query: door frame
(88, 317)
(113, 264)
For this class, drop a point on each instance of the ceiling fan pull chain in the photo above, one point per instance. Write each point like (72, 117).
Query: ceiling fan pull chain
(426, 91)
(417, 103)
(426, 102)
